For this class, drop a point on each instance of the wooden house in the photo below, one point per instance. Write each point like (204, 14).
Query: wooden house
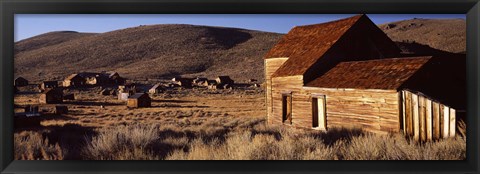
(157, 88)
(224, 80)
(50, 96)
(20, 81)
(74, 80)
(348, 73)
(139, 100)
(115, 78)
(48, 85)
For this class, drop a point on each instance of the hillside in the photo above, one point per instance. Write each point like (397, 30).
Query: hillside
(47, 39)
(442, 34)
(163, 51)
(147, 52)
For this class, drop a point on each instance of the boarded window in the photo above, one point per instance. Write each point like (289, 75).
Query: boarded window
(287, 108)
(319, 112)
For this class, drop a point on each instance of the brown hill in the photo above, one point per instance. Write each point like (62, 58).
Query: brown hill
(47, 39)
(442, 34)
(147, 52)
(157, 51)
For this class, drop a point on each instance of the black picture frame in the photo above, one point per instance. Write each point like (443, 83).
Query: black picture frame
(10, 7)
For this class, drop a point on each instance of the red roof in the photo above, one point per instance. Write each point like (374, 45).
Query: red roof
(304, 45)
(388, 73)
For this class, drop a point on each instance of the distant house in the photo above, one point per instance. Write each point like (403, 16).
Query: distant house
(115, 78)
(20, 81)
(51, 96)
(48, 85)
(348, 73)
(139, 100)
(224, 80)
(157, 88)
(74, 80)
(183, 82)
(103, 78)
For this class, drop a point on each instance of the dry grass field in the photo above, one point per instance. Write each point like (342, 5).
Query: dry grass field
(197, 124)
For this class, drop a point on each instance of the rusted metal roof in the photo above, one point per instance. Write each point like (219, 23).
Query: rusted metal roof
(388, 73)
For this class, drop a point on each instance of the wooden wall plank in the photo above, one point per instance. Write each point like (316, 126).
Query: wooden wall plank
(436, 120)
(452, 122)
(428, 119)
(446, 121)
(421, 117)
(409, 113)
(416, 119)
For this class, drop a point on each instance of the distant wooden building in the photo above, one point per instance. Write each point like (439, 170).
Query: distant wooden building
(139, 100)
(347, 73)
(51, 96)
(183, 82)
(157, 88)
(48, 85)
(103, 78)
(74, 80)
(224, 80)
(20, 81)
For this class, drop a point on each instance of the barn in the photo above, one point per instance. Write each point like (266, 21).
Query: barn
(74, 80)
(348, 73)
(20, 81)
(51, 96)
(139, 100)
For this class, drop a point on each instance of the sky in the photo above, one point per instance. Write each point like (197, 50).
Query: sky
(29, 25)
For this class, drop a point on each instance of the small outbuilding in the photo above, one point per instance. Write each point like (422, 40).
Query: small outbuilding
(74, 80)
(139, 100)
(224, 80)
(157, 88)
(50, 96)
(20, 81)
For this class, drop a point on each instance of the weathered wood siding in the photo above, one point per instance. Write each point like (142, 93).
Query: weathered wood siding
(271, 65)
(280, 85)
(372, 110)
(426, 119)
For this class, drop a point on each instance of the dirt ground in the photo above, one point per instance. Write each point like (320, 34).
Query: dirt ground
(174, 105)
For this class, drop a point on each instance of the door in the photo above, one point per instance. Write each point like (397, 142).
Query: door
(318, 112)
(287, 108)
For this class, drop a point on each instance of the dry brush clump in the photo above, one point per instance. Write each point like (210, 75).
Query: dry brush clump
(32, 146)
(122, 143)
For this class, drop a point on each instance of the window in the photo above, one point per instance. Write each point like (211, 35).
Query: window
(318, 112)
(287, 108)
